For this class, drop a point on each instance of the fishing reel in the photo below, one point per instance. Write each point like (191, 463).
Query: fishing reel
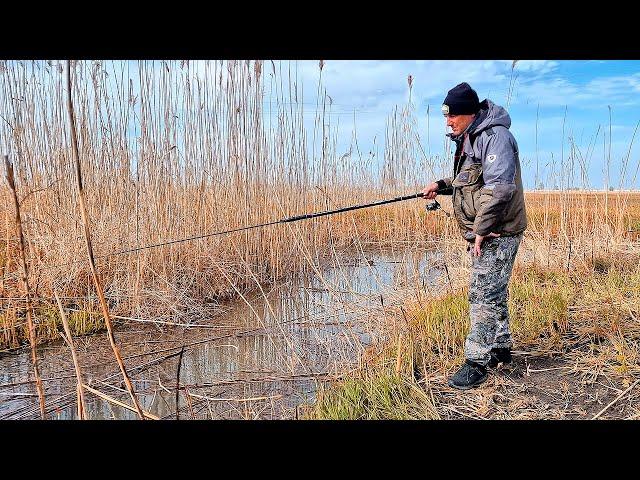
(433, 206)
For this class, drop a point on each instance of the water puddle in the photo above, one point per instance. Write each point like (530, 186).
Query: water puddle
(262, 358)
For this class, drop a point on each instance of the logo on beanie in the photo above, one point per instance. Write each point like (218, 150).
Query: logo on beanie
(445, 109)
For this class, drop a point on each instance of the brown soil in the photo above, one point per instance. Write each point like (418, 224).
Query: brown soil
(538, 387)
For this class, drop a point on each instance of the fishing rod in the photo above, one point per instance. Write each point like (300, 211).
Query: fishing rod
(430, 207)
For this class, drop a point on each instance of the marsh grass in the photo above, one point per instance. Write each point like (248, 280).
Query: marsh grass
(80, 323)
(15, 332)
(374, 397)
(538, 306)
(589, 316)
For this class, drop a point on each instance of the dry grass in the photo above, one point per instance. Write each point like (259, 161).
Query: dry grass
(189, 271)
(582, 214)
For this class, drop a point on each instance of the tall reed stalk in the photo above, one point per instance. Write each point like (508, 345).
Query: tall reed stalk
(25, 281)
(87, 236)
(82, 408)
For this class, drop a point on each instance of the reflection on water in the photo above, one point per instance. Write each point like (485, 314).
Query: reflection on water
(261, 359)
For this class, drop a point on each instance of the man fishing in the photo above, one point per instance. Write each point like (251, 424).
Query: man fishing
(488, 202)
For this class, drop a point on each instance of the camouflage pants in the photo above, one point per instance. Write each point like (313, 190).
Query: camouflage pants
(488, 294)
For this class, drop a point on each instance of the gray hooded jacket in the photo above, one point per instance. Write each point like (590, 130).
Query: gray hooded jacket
(486, 184)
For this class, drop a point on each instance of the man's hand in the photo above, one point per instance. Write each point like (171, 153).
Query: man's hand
(479, 240)
(430, 191)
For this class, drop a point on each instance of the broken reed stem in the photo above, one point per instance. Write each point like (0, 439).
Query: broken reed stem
(615, 400)
(398, 355)
(87, 236)
(117, 402)
(5, 270)
(178, 384)
(250, 399)
(25, 276)
(82, 408)
(186, 392)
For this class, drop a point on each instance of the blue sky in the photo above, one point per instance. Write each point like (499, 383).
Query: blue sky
(576, 94)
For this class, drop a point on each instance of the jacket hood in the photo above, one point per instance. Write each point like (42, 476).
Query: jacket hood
(491, 115)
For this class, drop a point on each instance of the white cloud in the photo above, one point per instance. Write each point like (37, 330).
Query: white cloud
(536, 66)
(597, 93)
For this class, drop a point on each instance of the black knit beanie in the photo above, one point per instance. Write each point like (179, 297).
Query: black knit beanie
(461, 100)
